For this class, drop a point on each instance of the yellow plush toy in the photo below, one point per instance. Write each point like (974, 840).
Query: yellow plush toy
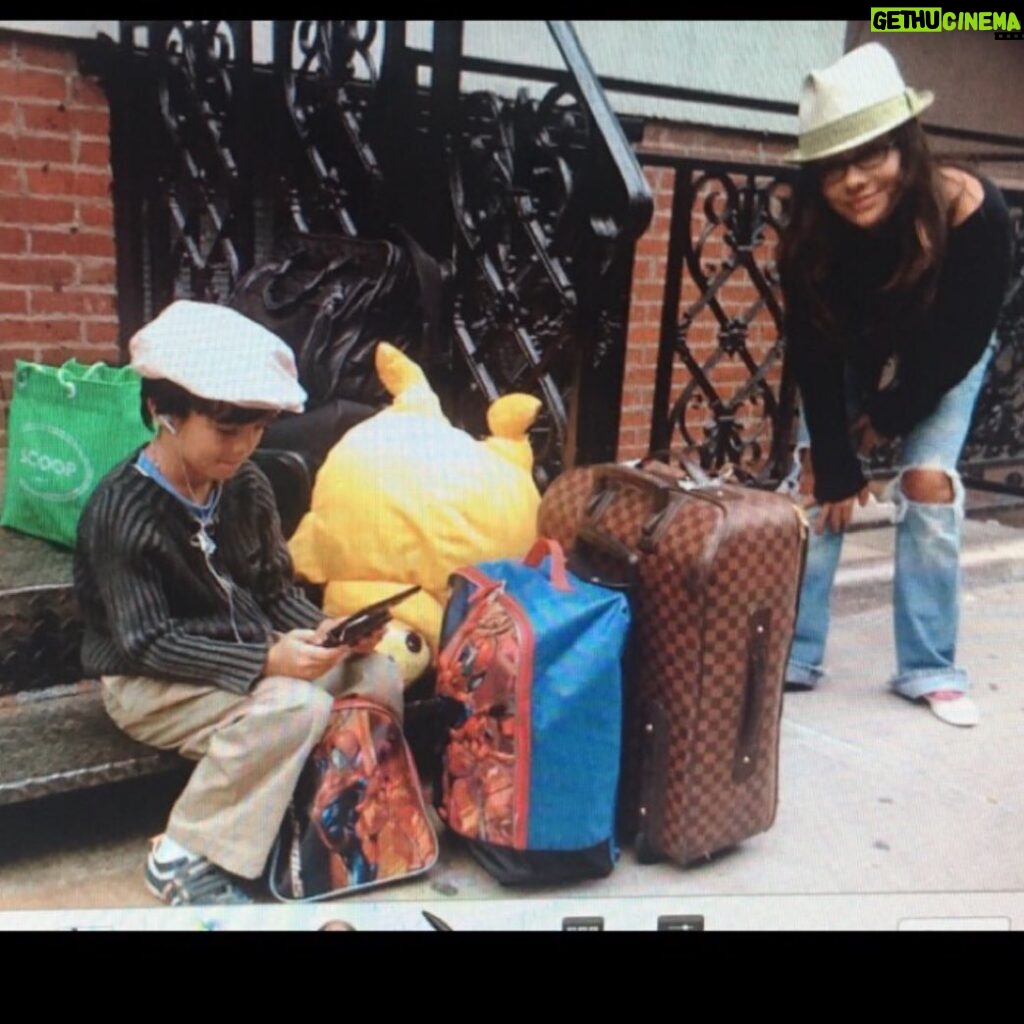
(404, 497)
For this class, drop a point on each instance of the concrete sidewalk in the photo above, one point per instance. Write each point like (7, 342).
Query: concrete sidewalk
(888, 818)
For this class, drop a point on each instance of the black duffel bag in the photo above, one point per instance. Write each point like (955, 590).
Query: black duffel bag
(331, 298)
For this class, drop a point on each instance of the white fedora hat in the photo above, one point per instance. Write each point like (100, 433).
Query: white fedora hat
(218, 354)
(858, 98)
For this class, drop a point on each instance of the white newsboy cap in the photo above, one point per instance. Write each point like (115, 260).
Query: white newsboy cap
(217, 353)
(858, 98)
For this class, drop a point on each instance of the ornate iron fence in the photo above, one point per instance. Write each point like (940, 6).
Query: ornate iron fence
(532, 204)
(722, 319)
(722, 391)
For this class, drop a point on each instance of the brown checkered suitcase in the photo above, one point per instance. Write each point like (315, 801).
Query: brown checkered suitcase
(717, 570)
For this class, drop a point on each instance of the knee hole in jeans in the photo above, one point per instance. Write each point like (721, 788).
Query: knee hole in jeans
(928, 486)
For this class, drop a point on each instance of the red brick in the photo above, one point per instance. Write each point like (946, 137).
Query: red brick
(643, 336)
(35, 211)
(12, 240)
(639, 418)
(57, 353)
(33, 85)
(26, 270)
(654, 247)
(72, 303)
(6, 50)
(8, 353)
(94, 154)
(13, 301)
(109, 354)
(7, 109)
(10, 179)
(642, 358)
(639, 377)
(101, 332)
(96, 215)
(95, 271)
(56, 117)
(87, 93)
(649, 271)
(41, 331)
(51, 181)
(642, 310)
(90, 122)
(29, 147)
(649, 292)
(50, 243)
(46, 117)
(40, 55)
(60, 182)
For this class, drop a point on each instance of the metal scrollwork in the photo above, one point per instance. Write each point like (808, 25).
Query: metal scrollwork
(529, 292)
(196, 97)
(728, 336)
(337, 180)
(997, 431)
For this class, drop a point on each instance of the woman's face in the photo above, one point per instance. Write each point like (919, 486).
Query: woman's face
(864, 185)
(215, 451)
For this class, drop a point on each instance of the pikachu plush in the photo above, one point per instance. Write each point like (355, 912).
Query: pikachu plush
(404, 497)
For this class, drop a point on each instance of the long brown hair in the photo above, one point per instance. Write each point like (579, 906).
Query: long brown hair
(812, 247)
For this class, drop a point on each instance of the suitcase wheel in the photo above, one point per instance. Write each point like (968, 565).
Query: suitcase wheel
(645, 851)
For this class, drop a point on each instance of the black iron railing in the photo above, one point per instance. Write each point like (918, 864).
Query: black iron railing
(533, 204)
(532, 201)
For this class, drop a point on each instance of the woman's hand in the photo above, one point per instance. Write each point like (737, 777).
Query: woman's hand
(837, 515)
(805, 484)
(867, 438)
(298, 655)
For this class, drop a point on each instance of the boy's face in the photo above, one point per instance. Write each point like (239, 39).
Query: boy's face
(214, 451)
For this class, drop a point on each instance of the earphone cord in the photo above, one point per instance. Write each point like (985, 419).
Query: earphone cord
(205, 544)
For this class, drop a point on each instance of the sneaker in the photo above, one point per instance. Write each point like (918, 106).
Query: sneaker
(953, 707)
(191, 881)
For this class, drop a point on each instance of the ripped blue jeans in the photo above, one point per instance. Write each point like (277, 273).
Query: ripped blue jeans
(926, 579)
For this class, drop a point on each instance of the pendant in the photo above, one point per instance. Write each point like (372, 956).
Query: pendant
(204, 541)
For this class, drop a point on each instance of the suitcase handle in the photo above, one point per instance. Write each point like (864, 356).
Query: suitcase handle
(660, 489)
(547, 546)
(752, 711)
(664, 490)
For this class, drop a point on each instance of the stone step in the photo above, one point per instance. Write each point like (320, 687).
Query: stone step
(61, 738)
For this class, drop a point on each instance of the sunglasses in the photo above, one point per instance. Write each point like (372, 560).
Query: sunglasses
(868, 158)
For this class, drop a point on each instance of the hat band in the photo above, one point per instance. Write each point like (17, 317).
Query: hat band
(886, 114)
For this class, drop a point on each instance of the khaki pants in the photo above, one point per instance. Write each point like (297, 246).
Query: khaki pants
(250, 748)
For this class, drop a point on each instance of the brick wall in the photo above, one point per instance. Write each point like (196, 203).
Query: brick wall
(649, 272)
(57, 294)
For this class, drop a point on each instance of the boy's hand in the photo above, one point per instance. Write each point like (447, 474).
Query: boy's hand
(297, 654)
(360, 647)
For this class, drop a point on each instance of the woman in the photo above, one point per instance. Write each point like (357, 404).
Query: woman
(893, 270)
(192, 621)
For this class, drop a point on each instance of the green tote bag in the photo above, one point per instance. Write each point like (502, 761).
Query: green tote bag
(68, 427)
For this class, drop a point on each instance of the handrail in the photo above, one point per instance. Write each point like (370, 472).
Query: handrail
(686, 94)
(579, 75)
(639, 201)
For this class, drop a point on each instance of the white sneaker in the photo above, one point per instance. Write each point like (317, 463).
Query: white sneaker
(960, 710)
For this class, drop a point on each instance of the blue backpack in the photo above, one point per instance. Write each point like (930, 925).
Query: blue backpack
(532, 656)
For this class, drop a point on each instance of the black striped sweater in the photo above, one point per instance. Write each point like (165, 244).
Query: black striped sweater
(151, 604)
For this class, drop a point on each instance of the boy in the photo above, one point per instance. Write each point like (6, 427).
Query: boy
(192, 621)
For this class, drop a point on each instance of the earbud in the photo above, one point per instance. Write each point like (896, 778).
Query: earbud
(171, 429)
